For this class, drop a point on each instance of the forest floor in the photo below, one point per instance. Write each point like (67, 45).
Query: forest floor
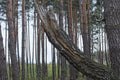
(31, 72)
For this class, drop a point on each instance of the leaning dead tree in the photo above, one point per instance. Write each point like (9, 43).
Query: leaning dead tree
(70, 51)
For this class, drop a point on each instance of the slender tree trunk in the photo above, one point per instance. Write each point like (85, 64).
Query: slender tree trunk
(53, 64)
(43, 57)
(38, 52)
(70, 31)
(15, 16)
(3, 66)
(58, 64)
(35, 48)
(46, 64)
(70, 19)
(85, 29)
(89, 27)
(23, 39)
(11, 43)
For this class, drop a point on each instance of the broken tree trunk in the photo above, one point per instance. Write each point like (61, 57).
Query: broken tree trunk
(70, 51)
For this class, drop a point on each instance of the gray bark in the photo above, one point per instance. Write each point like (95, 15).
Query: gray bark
(3, 67)
(112, 19)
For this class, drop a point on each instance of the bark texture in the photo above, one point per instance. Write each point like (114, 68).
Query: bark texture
(11, 42)
(70, 51)
(112, 19)
(3, 67)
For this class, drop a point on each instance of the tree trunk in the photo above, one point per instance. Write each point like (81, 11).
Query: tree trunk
(43, 56)
(11, 42)
(112, 19)
(70, 32)
(38, 50)
(3, 67)
(53, 64)
(70, 51)
(84, 26)
(23, 39)
(85, 29)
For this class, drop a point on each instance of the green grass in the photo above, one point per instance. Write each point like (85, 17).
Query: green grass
(30, 73)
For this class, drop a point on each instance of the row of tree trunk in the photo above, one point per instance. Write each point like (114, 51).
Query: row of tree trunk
(65, 45)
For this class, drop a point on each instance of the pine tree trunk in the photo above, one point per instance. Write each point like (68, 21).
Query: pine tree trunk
(11, 42)
(38, 52)
(23, 39)
(53, 64)
(3, 66)
(85, 29)
(43, 57)
(112, 20)
(70, 31)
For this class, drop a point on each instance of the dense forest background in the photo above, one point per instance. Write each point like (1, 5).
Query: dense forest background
(28, 50)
